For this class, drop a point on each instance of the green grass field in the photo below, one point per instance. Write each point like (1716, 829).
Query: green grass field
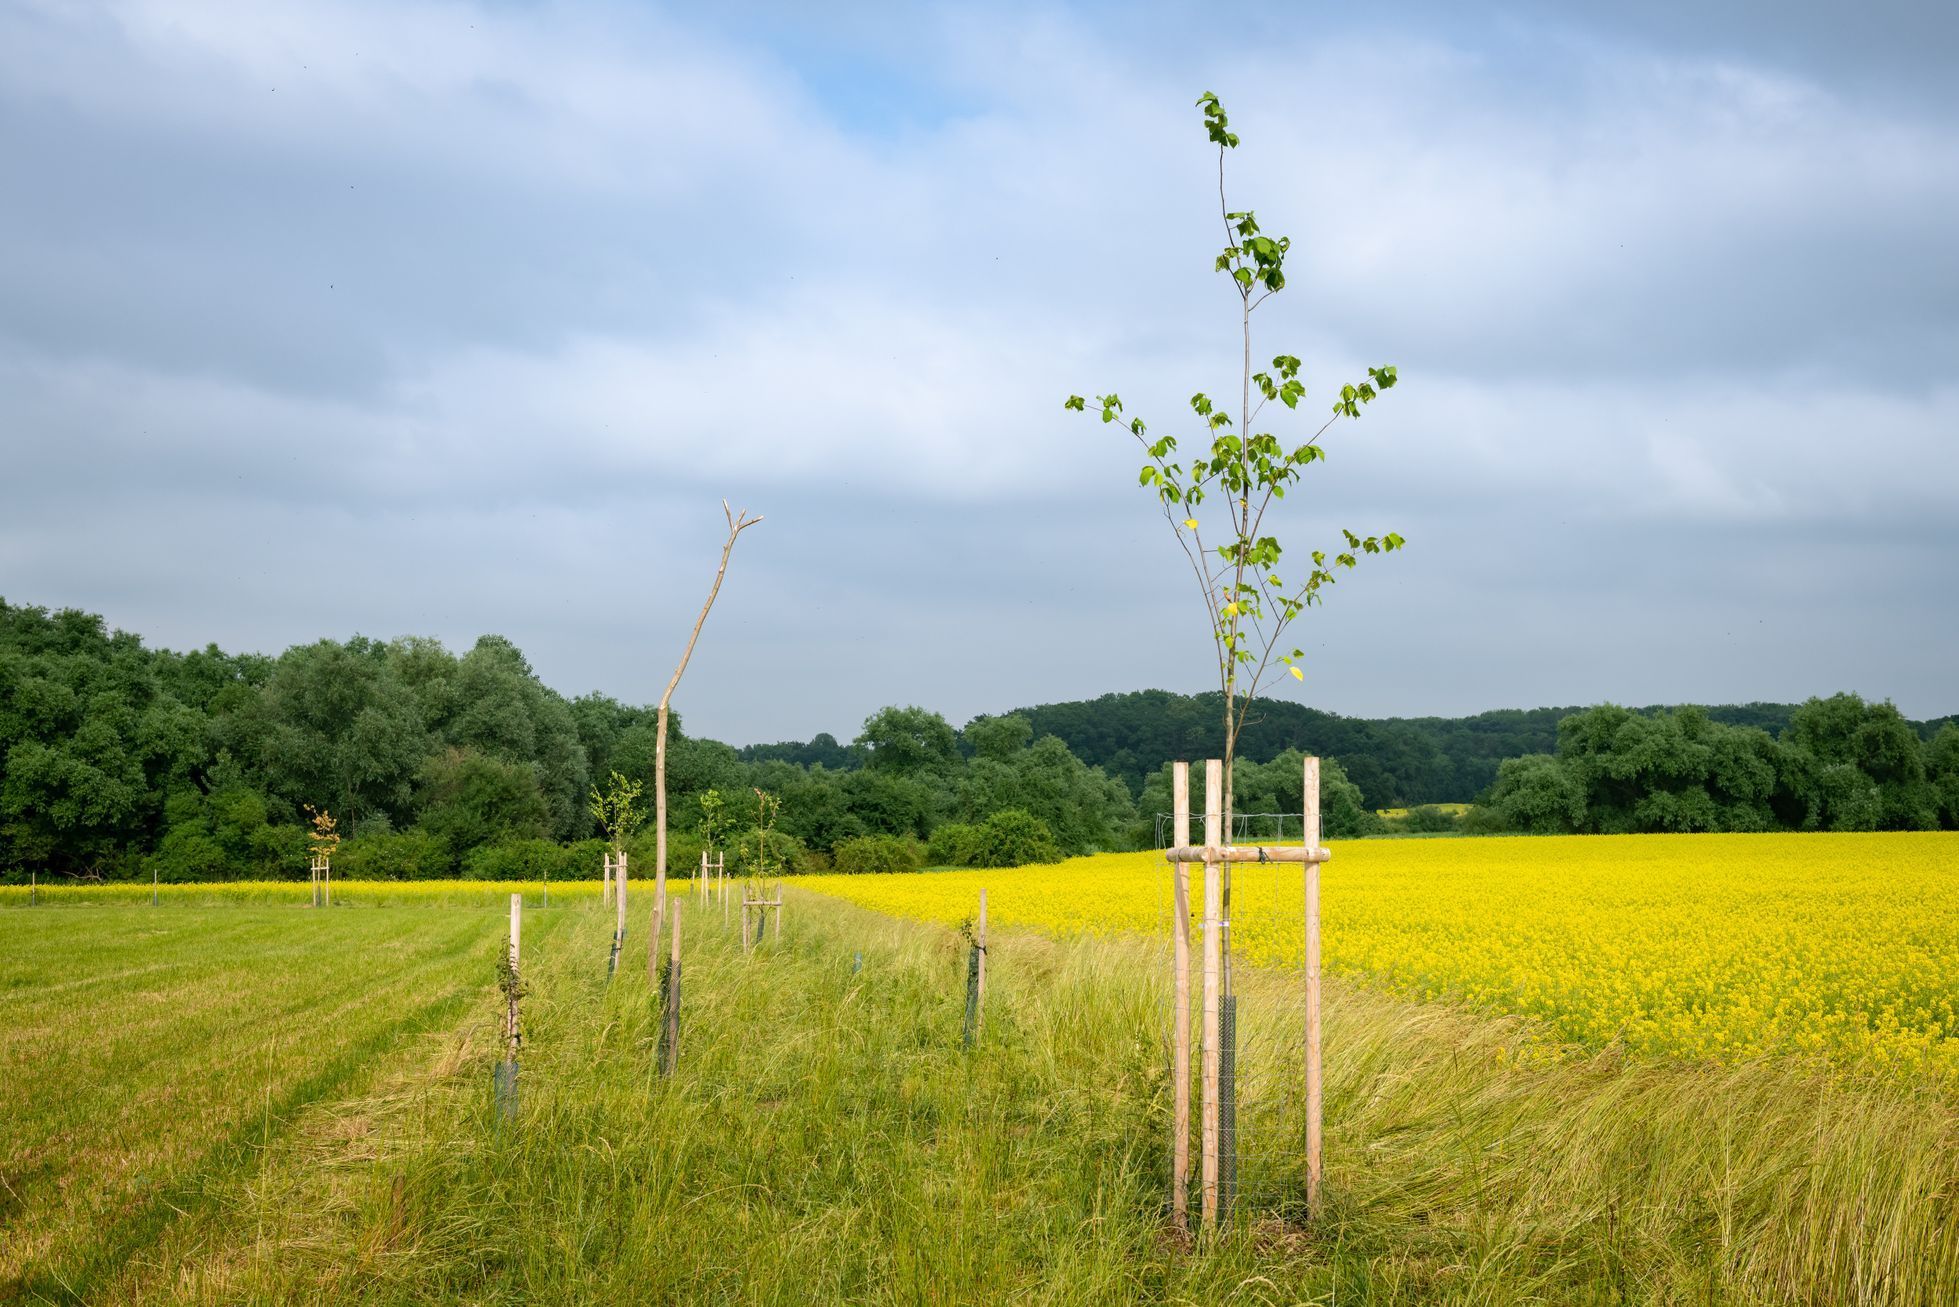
(269, 1104)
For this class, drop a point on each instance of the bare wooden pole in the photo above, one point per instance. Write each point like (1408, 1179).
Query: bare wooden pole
(737, 523)
(778, 911)
(326, 879)
(619, 883)
(605, 885)
(653, 944)
(1213, 989)
(1180, 1004)
(1314, 1139)
(672, 1040)
(511, 1030)
(979, 1015)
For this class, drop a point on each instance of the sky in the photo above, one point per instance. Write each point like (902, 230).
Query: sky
(446, 318)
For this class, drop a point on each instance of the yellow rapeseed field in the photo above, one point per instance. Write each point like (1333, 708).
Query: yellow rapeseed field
(1706, 946)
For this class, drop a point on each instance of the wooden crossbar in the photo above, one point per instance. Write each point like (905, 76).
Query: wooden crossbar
(1246, 853)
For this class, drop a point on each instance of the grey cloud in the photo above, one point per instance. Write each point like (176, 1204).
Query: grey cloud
(471, 327)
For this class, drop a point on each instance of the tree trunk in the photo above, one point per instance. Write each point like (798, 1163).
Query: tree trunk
(736, 525)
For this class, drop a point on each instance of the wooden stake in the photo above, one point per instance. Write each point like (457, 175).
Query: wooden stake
(673, 998)
(653, 944)
(619, 882)
(1180, 1004)
(605, 883)
(1213, 989)
(511, 1031)
(979, 1017)
(1314, 1139)
(326, 881)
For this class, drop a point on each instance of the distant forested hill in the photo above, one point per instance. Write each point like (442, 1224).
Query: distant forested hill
(1396, 761)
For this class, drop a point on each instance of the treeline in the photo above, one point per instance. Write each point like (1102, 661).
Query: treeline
(1837, 764)
(1398, 762)
(119, 760)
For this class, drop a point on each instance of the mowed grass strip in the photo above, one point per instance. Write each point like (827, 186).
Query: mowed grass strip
(156, 1049)
(829, 1139)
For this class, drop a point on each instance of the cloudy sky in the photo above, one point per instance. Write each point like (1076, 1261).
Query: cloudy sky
(445, 318)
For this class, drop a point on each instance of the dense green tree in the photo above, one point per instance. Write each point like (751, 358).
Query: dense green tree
(1012, 838)
(336, 727)
(907, 741)
(91, 743)
(471, 799)
(1538, 794)
(504, 711)
(998, 738)
(1889, 791)
(1942, 773)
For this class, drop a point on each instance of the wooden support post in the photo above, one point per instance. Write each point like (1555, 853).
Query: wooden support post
(1180, 1004)
(653, 938)
(619, 882)
(1313, 1078)
(1213, 989)
(605, 883)
(326, 881)
(34, 889)
(505, 1072)
(512, 1033)
(979, 1015)
(778, 912)
(672, 1035)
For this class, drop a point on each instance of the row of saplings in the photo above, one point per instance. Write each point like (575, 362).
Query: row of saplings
(760, 902)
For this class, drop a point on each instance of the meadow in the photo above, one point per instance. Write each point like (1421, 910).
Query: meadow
(227, 1098)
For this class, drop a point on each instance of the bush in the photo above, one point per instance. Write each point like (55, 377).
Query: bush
(788, 856)
(952, 845)
(864, 854)
(1428, 819)
(412, 855)
(642, 856)
(1482, 819)
(1013, 838)
(536, 859)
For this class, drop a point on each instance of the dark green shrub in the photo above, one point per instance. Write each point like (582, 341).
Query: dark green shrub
(541, 859)
(865, 854)
(1430, 820)
(411, 855)
(952, 845)
(1013, 838)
